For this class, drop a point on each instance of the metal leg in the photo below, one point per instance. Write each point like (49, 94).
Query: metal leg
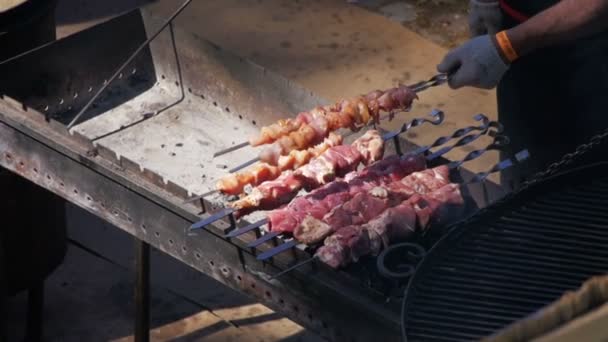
(142, 291)
(35, 304)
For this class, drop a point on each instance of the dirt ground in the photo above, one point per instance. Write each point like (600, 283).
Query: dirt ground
(441, 21)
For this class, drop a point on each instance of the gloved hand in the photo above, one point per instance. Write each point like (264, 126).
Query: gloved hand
(476, 63)
(485, 17)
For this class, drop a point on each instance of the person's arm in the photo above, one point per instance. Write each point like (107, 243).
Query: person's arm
(482, 61)
(564, 22)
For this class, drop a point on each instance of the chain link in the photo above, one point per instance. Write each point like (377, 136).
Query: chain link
(566, 159)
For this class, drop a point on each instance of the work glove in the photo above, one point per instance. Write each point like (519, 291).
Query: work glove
(476, 63)
(485, 17)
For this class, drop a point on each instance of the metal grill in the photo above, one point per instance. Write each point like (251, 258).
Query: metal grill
(512, 261)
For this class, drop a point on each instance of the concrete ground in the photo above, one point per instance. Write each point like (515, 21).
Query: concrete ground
(340, 50)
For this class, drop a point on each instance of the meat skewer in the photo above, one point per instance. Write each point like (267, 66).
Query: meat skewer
(385, 164)
(233, 184)
(400, 222)
(336, 160)
(365, 204)
(349, 243)
(354, 113)
(331, 164)
(497, 143)
(282, 127)
(392, 172)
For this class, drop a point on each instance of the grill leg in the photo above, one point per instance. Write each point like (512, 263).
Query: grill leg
(35, 304)
(142, 291)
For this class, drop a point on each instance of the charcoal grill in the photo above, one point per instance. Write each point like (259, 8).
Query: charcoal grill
(145, 146)
(511, 260)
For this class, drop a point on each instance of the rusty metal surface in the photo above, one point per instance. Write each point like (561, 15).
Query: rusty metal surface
(146, 144)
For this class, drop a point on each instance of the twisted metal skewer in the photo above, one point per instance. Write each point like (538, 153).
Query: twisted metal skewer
(502, 165)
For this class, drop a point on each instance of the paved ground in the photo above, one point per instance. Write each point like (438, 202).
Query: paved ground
(89, 297)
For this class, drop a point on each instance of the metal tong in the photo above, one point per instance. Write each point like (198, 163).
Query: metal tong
(431, 82)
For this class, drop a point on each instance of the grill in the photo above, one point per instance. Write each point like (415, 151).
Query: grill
(141, 148)
(512, 260)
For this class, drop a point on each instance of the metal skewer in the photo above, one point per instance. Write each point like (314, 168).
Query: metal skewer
(459, 133)
(498, 142)
(480, 177)
(417, 87)
(438, 119)
(230, 149)
(438, 115)
(416, 122)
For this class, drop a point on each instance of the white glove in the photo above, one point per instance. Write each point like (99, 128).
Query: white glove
(475, 63)
(485, 17)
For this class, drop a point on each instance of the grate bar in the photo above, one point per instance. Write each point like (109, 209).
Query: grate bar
(458, 322)
(559, 245)
(493, 266)
(573, 207)
(491, 292)
(527, 218)
(424, 337)
(453, 333)
(452, 308)
(530, 264)
(468, 303)
(511, 278)
(480, 281)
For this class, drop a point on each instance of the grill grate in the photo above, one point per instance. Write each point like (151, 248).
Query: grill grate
(511, 262)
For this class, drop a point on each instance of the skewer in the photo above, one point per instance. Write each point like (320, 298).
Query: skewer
(279, 249)
(480, 177)
(417, 87)
(266, 237)
(293, 267)
(439, 115)
(436, 113)
(218, 215)
(244, 165)
(230, 149)
(459, 133)
(498, 142)
(246, 229)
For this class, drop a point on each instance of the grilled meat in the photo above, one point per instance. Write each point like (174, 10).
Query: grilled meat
(307, 130)
(420, 212)
(332, 163)
(366, 204)
(322, 200)
(233, 184)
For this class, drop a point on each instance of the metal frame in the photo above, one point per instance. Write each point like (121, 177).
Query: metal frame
(30, 148)
(151, 207)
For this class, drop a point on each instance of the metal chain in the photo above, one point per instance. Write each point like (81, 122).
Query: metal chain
(566, 159)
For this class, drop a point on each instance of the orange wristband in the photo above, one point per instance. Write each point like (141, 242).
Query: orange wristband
(505, 46)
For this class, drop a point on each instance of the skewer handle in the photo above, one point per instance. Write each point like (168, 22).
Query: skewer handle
(438, 117)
